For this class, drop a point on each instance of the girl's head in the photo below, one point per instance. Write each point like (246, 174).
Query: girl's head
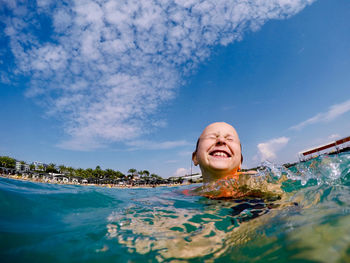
(218, 152)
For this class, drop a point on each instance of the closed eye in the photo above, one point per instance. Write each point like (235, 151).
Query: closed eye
(212, 137)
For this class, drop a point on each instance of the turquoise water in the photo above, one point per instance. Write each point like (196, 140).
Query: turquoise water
(66, 223)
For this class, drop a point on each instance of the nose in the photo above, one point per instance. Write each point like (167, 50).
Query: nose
(220, 141)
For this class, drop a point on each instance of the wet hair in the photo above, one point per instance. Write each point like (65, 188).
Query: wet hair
(198, 144)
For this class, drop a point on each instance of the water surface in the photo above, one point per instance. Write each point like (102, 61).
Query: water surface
(68, 223)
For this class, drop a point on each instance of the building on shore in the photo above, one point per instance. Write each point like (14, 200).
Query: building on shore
(328, 148)
(39, 166)
(22, 167)
(188, 178)
(193, 177)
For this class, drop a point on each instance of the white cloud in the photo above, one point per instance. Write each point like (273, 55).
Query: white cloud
(181, 172)
(106, 66)
(333, 112)
(267, 150)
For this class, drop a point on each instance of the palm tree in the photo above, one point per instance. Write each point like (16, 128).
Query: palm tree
(32, 167)
(51, 168)
(120, 175)
(98, 172)
(80, 172)
(41, 167)
(140, 173)
(132, 172)
(89, 172)
(146, 175)
(62, 168)
(7, 162)
(110, 173)
(155, 176)
(71, 171)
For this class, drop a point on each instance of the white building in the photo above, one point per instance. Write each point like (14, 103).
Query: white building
(193, 177)
(22, 167)
(39, 166)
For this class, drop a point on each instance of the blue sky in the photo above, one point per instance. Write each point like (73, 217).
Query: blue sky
(131, 84)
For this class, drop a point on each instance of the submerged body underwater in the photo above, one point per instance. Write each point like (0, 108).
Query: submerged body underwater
(68, 223)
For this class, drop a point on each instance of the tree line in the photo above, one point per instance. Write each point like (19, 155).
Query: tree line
(8, 162)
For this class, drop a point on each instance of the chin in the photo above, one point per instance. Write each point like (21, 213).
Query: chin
(220, 168)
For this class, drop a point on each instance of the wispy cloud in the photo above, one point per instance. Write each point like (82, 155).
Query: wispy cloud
(333, 112)
(267, 150)
(105, 67)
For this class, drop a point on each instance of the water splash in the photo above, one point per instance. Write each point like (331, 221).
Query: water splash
(324, 169)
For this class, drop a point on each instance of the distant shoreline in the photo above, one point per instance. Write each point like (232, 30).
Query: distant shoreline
(126, 186)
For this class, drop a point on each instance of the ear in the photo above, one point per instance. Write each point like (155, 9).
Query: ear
(240, 165)
(194, 158)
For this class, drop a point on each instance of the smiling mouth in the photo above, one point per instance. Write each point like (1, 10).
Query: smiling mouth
(220, 153)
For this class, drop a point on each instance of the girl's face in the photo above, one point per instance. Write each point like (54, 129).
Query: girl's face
(219, 150)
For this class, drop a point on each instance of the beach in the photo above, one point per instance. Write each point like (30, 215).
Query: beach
(120, 186)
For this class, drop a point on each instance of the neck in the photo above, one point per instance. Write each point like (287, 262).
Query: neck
(209, 177)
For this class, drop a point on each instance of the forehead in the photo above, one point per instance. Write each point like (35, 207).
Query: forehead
(221, 128)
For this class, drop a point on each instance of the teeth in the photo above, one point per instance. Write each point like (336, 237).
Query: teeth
(220, 154)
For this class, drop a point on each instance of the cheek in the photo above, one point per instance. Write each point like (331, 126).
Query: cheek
(237, 151)
(202, 150)
(202, 156)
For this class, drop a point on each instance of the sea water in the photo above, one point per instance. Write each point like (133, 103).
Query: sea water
(68, 223)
